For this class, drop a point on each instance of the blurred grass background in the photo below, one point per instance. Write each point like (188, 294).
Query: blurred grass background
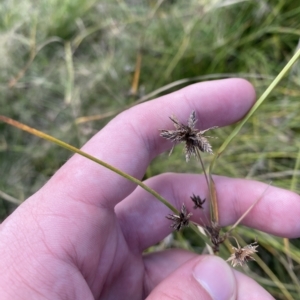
(67, 67)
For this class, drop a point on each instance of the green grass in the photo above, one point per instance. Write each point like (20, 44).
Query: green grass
(75, 59)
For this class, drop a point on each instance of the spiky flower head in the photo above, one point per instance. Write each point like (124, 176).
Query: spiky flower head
(193, 138)
(198, 202)
(240, 256)
(181, 220)
(213, 231)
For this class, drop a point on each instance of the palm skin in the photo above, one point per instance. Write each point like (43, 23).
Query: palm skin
(83, 234)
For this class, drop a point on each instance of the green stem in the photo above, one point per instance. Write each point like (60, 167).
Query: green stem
(214, 213)
(82, 153)
(202, 165)
(255, 107)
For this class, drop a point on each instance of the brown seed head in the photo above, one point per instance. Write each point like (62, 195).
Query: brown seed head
(193, 138)
(181, 220)
(213, 231)
(197, 201)
(240, 256)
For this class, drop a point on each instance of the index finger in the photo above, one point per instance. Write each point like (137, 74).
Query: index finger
(131, 140)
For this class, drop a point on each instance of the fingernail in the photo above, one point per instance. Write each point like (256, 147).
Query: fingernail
(216, 277)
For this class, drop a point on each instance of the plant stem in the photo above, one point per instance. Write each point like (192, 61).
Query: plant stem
(255, 107)
(82, 153)
(202, 165)
(214, 212)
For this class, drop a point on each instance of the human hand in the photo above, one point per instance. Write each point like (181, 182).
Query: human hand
(82, 235)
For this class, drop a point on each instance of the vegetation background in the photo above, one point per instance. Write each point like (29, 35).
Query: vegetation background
(67, 67)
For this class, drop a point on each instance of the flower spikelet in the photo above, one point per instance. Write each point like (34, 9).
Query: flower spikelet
(213, 231)
(240, 256)
(197, 201)
(181, 220)
(193, 138)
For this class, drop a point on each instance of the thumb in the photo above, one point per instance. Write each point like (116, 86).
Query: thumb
(205, 277)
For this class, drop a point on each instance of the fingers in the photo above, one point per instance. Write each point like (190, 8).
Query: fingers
(249, 288)
(204, 277)
(131, 140)
(159, 265)
(144, 217)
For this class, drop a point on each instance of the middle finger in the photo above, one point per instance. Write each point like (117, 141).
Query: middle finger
(143, 221)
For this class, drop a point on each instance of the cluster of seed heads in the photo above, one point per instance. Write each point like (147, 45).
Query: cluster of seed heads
(195, 142)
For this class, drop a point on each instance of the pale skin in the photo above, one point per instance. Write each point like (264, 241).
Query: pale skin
(82, 235)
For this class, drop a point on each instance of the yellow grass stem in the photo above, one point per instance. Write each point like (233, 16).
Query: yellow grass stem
(88, 156)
